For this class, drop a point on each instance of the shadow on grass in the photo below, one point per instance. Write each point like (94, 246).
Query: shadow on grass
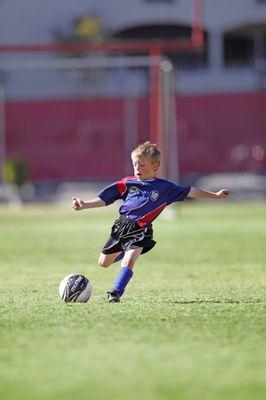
(251, 301)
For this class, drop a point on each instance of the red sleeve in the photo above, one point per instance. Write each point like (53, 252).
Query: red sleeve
(114, 191)
(121, 185)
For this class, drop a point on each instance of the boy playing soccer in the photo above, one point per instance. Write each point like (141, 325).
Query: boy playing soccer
(144, 197)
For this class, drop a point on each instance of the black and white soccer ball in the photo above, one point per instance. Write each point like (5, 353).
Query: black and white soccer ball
(75, 288)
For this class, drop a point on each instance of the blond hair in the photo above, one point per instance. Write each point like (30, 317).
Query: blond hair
(149, 151)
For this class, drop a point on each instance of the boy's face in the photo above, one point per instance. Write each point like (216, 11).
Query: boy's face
(144, 168)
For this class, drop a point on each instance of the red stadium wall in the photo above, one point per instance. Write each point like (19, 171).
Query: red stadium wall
(84, 139)
(222, 133)
(67, 139)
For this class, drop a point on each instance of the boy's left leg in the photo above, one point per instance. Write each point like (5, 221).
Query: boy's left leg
(125, 274)
(105, 260)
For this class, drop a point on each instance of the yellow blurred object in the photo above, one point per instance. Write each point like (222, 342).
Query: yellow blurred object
(88, 28)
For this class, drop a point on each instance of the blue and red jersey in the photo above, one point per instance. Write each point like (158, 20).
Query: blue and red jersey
(143, 201)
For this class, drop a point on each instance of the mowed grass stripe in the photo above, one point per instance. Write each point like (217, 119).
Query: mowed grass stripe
(191, 326)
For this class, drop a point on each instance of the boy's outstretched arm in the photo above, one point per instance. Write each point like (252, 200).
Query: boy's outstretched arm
(79, 204)
(196, 193)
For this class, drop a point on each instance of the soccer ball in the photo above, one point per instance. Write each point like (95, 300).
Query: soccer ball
(75, 288)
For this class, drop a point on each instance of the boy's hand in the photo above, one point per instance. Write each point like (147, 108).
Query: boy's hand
(222, 194)
(78, 204)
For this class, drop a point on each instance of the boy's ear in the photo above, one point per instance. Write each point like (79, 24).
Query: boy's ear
(156, 166)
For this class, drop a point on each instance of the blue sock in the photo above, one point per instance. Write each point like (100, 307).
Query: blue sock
(119, 257)
(122, 279)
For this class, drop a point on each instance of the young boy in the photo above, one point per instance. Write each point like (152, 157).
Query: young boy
(144, 197)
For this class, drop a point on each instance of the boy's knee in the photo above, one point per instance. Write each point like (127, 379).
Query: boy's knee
(102, 262)
(127, 263)
(131, 257)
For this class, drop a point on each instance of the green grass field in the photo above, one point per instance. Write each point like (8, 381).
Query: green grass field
(191, 325)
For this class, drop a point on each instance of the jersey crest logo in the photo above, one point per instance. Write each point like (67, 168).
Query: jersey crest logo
(154, 195)
(133, 189)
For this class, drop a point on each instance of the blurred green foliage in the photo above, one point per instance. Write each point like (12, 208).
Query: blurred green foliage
(15, 171)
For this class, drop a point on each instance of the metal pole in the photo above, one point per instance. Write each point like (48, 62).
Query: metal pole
(155, 95)
(131, 117)
(173, 134)
(166, 68)
(197, 36)
(170, 145)
(2, 125)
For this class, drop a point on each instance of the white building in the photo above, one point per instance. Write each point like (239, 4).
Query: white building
(64, 120)
(235, 30)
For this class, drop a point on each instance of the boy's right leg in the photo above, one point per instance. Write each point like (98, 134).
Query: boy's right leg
(105, 260)
(124, 275)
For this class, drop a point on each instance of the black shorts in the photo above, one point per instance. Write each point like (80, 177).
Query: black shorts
(126, 234)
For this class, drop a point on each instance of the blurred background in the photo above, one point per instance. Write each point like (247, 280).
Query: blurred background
(82, 83)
